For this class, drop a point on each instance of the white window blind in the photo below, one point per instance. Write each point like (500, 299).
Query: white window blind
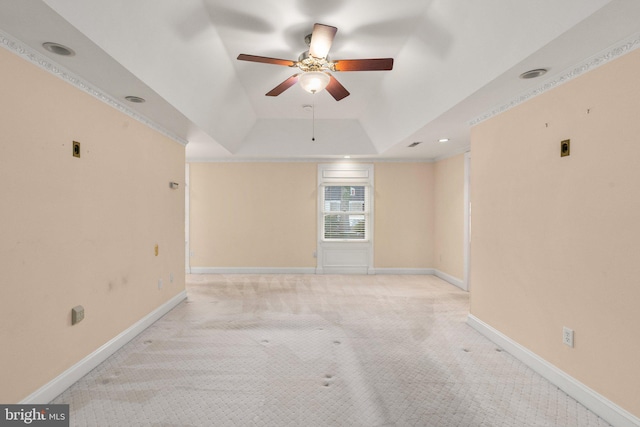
(345, 212)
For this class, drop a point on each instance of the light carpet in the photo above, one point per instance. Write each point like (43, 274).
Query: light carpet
(326, 350)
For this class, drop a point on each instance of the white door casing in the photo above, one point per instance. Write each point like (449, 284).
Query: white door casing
(345, 256)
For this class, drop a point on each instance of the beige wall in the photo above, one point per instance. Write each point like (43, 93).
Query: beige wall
(404, 215)
(449, 216)
(253, 214)
(264, 215)
(78, 231)
(555, 240)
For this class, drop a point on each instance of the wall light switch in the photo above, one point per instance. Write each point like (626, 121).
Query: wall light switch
(77, 314)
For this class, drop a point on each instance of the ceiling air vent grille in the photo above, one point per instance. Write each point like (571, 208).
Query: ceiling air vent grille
(414, 144)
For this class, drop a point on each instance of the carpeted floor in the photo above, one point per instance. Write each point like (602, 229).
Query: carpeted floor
(305, 350)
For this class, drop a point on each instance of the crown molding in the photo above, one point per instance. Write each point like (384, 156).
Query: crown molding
(619, 49)
(308, 160)
(57, 70)
(454, 153)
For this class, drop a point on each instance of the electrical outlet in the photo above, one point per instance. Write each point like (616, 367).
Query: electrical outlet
(171, 278)
(160, 284)
(567, 336)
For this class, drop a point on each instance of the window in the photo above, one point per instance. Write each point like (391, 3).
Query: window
(345, 212)
(345, 218)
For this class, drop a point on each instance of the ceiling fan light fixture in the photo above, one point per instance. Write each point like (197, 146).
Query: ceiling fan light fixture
(314, 81)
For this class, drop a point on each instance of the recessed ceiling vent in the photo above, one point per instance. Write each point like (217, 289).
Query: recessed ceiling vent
(532, 74)
(414, 144)
(58, 49)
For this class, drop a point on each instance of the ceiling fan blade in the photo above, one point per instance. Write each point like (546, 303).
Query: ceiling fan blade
(283, 86)
(336, 89)
(321, 40)
(266, 60)
(378, 64)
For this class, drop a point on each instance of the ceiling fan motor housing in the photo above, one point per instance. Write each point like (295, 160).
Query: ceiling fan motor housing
(316, 65)
(306, 62)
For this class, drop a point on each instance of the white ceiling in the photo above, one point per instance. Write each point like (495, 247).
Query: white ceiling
(455, 61)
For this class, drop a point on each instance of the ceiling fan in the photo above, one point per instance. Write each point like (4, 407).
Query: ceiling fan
(315, 65)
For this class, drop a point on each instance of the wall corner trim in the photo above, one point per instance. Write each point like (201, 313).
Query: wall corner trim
(55, 387)
(595, 402)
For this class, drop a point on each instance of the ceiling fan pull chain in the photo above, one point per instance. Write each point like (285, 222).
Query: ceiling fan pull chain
(313, 112)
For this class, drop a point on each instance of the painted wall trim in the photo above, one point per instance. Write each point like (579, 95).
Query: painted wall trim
(405, 271)
(329, 270)
(623, 47)
(461, 150)
(253, 270)
(53, 388)
(467, 221)
(308, 160)
(345, 269)
(311, 270)
(426, 271)
(187, 217)
(57, 70)
(449, 278)
(595, 402)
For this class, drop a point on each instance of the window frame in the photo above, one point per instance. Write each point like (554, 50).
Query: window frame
(345, 256)
(366, 212)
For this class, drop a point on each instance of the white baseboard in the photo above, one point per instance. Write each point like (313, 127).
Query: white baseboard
(405, 271)
(595, 402)
(449, 278)
(344, 269)
(55, 387)
(253, 270)
(329, 270)
(429, 271)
